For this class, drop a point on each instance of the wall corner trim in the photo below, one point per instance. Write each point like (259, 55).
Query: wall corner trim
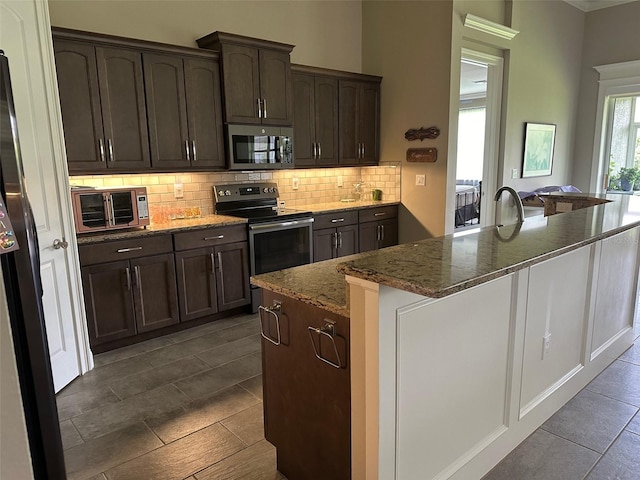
(487, 26)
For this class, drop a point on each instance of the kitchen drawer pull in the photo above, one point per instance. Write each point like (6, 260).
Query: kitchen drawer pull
(125, 250)
(337, 220)
(379, 214)
(218, 237)
(270, 311)
(329, 331)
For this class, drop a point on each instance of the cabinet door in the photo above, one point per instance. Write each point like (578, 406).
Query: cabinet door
(369, 114)
(276, 91)
(80, 104)
(324, 242)
(326, 121)
(166, 110)
(232, 275)
(196, 283)
(241, 83)
(155, 296)
(204, 112)
(368, 236)
(388, 232)
(347, 240)
(303, 120)
(301, 394)
(123, 108)
(349, 141)
(108, 301)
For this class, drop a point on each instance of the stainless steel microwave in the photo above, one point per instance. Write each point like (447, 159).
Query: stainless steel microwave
(255, 147)
(99, 209)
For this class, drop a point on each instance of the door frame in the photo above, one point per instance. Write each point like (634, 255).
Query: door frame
(617, 79)
(495, 72)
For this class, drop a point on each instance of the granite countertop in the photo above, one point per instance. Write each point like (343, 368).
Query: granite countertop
(438, 267)
(173, 226)
(319, 208)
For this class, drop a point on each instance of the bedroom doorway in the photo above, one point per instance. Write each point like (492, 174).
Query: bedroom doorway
(477, 140)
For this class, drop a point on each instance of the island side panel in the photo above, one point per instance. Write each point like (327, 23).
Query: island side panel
(307, 405)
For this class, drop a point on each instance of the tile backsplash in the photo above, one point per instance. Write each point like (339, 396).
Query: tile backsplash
(318, 185)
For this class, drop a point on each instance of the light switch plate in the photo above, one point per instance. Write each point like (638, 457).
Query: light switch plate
(178, 190)
(514, 173)
(295, 183)
(421, 180)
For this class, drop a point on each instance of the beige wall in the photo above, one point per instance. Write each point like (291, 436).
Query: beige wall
(543, 71)
(408, 43)
(325, 33)
(612, 35)
(15, 459)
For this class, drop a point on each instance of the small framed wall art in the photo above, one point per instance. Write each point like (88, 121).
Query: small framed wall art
(539, 141)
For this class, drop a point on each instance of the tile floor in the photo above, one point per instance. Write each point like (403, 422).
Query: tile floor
(189, 406)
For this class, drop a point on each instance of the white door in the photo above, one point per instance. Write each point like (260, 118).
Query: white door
(25, 37)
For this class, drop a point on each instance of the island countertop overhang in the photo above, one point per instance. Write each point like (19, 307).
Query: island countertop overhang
(438, 267)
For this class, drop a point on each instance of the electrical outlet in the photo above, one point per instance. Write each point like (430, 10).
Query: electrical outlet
(254, 176)
(514, 173)
(295, 183)
(546, 343)
(421, 180)
(340, 184)
(178, 190)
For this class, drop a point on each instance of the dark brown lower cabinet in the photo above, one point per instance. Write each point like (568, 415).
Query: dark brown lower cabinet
(307, 402)
(108, 301)
(127, 297)
(378, 227)
(213, 279)
(331, 243)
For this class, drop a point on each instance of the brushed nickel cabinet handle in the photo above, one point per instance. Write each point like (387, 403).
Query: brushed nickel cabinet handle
(220, 263)
(264, 108)
(381, 232)
(193, 149)
(136, 269)
(378, 234)
(379, 214)
(128, 274)
(335, 240)
(339, 239)
(101, 145)
(313, 147)
(186, 150)
(110, 147)
(337, 220)
(259, 108)
(319, 151)
(125, 250)
(218, 237)
(213, 263)
(363, 151)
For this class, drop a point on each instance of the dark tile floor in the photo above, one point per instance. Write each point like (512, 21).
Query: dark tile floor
(184, 406)
(189, 406)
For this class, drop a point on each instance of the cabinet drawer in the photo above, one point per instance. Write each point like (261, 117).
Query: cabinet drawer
(124, 249)
(209, 237)
(379, 213)
(335, 219)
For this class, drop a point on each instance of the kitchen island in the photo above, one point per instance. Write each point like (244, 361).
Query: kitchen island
(461, 346)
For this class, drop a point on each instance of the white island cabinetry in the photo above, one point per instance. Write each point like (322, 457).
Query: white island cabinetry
(443, 388)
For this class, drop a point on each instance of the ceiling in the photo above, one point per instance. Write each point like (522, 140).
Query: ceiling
(590, 5)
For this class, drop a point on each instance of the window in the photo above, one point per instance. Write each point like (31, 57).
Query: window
(624, 138)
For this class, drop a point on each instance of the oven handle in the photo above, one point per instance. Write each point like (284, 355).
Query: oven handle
(277, 225)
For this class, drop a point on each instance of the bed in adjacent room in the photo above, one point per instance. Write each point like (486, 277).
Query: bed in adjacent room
(467, 202)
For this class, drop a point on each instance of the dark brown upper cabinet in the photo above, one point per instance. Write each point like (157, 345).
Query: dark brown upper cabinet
(359, 121)
(184, 112)
(103, 107)
(256, 79)
(315, 120)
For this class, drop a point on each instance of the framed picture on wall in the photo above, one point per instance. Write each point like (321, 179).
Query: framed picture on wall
(539, 140)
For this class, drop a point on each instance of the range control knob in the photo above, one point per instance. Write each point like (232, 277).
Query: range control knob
(227, 192)
(221, 193)
(265, 190)
(272, 190)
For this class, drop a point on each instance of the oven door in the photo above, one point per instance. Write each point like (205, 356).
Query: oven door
(280, 244)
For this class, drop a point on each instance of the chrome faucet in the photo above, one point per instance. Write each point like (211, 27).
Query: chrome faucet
(516, 200)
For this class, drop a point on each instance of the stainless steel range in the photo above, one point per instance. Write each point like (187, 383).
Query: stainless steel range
(278, 238)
